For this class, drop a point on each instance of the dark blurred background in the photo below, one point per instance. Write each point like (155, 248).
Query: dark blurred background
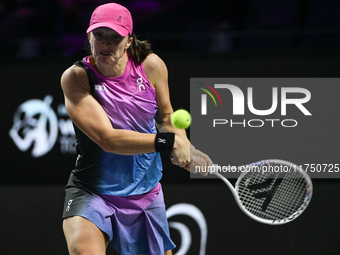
(35, 29)
(231, 38)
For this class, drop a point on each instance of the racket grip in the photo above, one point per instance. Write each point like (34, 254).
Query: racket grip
(213, 169)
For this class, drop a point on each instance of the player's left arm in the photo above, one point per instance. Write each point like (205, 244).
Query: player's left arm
(157, 74)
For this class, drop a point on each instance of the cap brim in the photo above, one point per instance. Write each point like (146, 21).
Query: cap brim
(119, 29)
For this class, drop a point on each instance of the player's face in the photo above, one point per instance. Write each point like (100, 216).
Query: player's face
(107, 46)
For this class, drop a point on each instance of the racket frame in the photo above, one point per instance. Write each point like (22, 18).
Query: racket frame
(234, 190)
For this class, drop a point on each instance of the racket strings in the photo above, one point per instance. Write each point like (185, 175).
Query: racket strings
(285, 203)
(280, 205)
(291, 198)
(277, 198)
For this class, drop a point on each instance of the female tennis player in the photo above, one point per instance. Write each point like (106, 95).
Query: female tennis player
(116, 97)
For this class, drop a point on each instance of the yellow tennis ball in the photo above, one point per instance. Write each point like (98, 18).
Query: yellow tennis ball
(181, 119)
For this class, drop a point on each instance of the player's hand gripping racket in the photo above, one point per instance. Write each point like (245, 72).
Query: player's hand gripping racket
(270, 191)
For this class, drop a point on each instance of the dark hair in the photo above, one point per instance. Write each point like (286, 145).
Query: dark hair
(139, 50)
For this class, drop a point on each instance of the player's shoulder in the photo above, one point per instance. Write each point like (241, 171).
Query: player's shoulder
(74, 71)
(154, 65)
(73, 76)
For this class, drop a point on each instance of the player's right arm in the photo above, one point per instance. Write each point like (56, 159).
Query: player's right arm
(89, 116)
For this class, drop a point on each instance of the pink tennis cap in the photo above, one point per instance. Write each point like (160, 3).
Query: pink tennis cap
(114, 16)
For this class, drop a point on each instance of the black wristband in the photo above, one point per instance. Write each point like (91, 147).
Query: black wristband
(164, 142)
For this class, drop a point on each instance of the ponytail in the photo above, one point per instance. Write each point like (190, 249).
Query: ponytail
(139, 50)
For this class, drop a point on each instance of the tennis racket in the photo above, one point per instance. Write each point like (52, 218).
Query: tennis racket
(270, 191)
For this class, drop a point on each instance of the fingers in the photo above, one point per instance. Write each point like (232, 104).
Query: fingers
(204, 156)
(188, 157)
(180, 163)
(198, 165)
(200, 162)
(181, 152)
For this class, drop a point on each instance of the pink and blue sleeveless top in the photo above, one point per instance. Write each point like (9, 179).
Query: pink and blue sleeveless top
(130, 103)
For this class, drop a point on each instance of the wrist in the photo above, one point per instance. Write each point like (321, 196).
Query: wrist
(164, 142)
